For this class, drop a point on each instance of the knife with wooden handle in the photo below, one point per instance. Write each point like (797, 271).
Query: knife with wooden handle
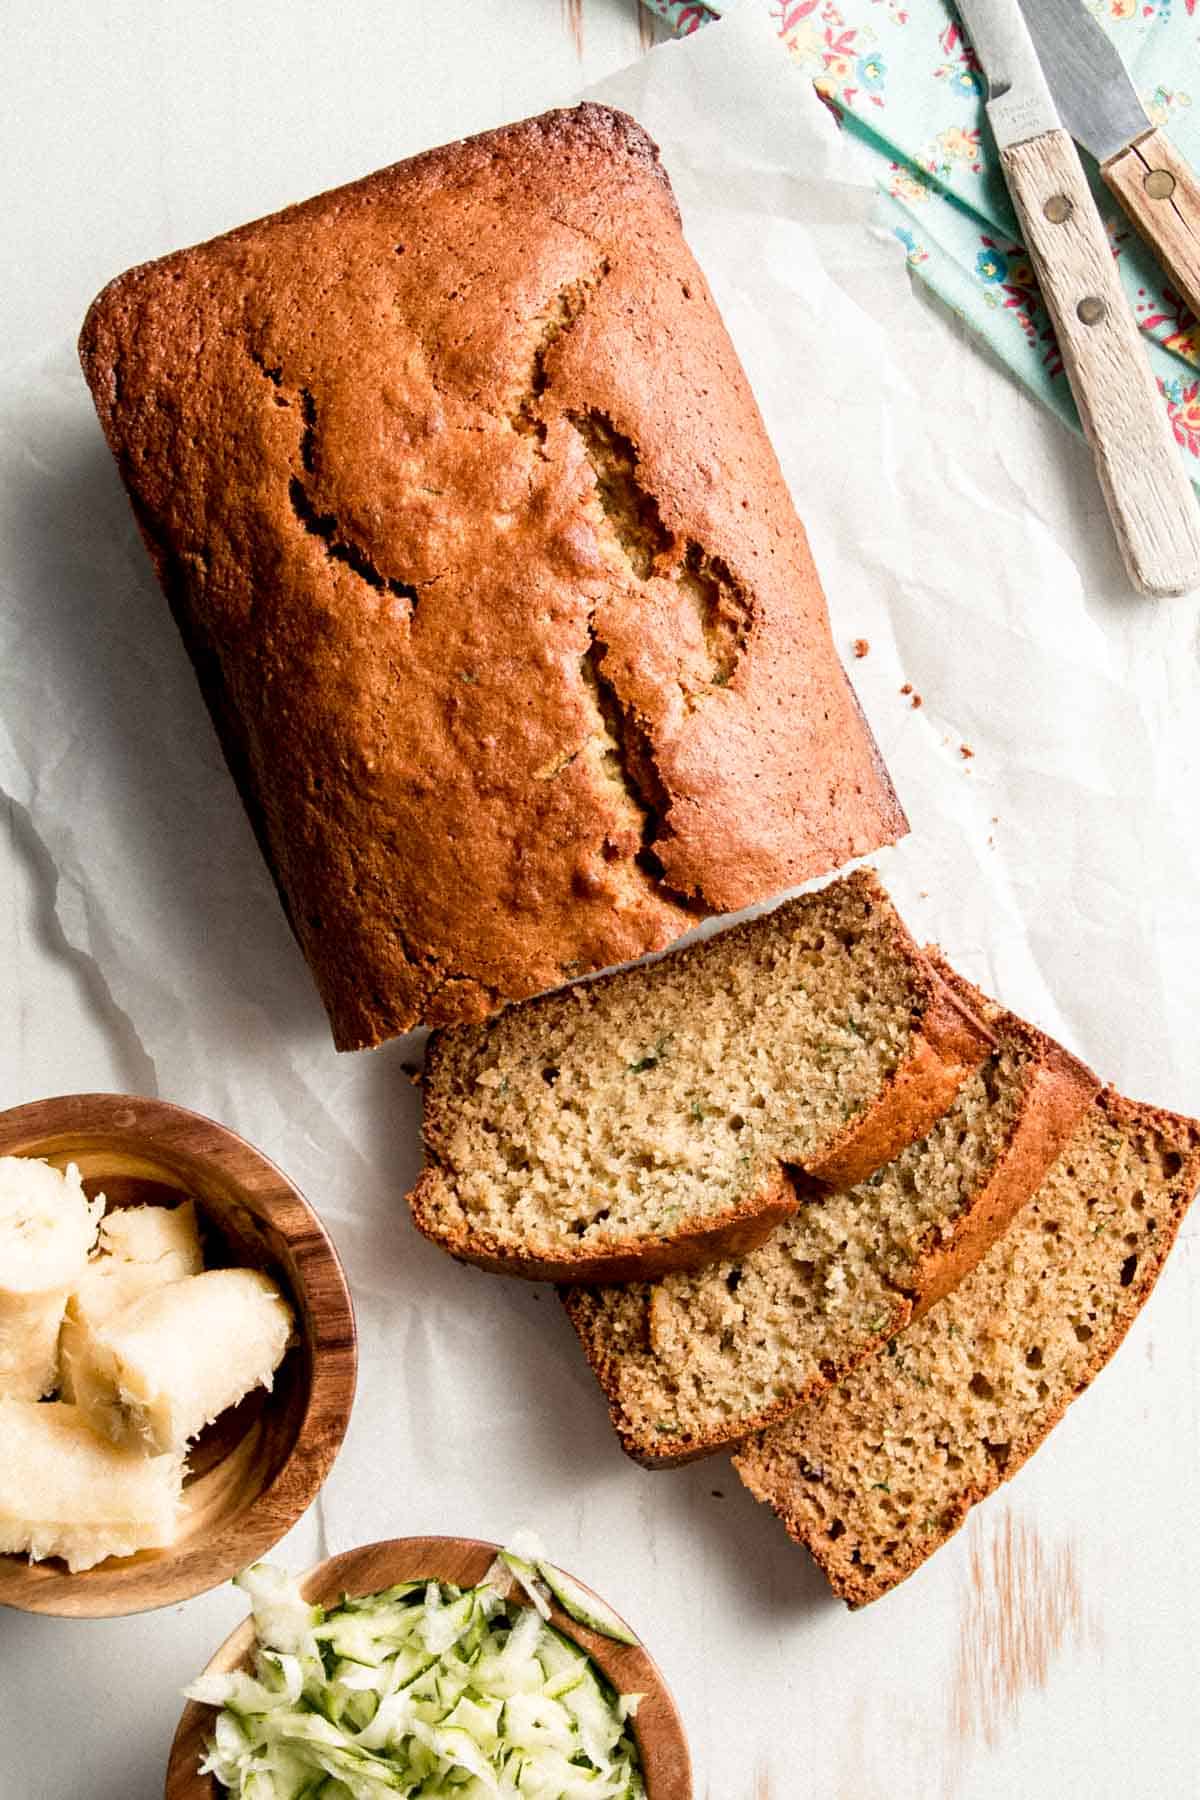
(1099, 106)
(1146, 489)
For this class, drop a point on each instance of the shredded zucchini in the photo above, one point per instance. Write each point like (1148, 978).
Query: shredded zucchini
(423, 1690)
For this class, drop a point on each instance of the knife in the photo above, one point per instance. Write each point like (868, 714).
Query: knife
(1101, 110)
(1147, 492)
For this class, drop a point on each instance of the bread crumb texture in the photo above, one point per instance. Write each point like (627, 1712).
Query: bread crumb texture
(878, 1472)
(697, 1360)
(489, 573)
(665, 1097)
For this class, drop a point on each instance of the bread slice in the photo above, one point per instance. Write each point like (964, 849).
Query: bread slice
(696, 1361)
(640, 1123)
(878, 1473)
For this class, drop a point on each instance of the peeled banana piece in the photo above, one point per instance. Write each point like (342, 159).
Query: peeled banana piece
(158, 1371)
(47, 1227)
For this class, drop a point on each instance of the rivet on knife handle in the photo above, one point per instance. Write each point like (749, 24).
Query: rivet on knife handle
(1161, 194)
(1149, 497)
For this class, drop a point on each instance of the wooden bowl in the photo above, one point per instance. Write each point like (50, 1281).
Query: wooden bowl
(464, 1562)
(255, 1470)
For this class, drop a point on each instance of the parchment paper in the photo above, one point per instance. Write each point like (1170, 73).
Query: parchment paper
(959, 532)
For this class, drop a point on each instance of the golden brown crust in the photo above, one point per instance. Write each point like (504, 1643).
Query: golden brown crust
(691, 1245)
(951, 1042)
(858, 1587)
(1060, 1092)
(490, 576)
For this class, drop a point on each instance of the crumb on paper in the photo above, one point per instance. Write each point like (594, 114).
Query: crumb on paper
(966, 752)
(412, 1072)
(917, 700)
(861, 647)
(907, 688)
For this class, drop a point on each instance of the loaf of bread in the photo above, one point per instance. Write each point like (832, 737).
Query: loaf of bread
(489, 573)
(877, 1473)
(692, 1362)
(641, 1123)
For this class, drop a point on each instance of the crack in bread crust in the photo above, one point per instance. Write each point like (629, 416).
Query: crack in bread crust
(340, 549)
(566, 308)
(318, 524)
(703, 583)
(627, 757)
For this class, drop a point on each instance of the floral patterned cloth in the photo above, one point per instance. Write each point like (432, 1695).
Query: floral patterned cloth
(901, 75)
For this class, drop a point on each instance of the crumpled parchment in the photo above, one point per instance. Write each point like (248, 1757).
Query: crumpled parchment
(1050, 772)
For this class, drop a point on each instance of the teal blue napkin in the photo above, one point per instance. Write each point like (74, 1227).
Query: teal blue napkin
(902, 78)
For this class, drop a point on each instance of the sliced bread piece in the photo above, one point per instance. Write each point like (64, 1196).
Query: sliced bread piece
(640, 1123)
(696, 1361)
(876, 1474)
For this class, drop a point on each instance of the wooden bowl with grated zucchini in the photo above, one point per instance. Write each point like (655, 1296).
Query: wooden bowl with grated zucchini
(425, 1666)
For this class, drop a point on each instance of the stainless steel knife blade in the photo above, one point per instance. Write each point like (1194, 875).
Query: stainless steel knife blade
(1095, 97)
(1019, 104)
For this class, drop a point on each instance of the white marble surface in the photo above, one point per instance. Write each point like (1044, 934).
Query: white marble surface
(129, 129)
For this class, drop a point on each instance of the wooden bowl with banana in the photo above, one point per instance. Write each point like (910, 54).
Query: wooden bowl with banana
(177, 1359)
